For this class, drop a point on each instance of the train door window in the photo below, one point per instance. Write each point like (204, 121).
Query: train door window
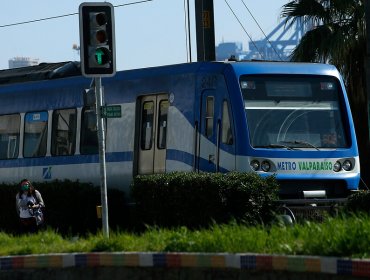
(209, 116)
(35, 134)
(89, 132)
(63, 138)
(147, 125)
(226, 133)
(162, 124)
(9, 136)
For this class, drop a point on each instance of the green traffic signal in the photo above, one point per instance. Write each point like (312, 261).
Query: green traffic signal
(102, 56)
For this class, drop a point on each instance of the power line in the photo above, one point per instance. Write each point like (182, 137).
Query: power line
(66, 15)
(250, 38)
(36, 20)
(262, 30)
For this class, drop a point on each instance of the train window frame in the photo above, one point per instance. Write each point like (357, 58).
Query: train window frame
(41, 148)
(147, 123)
(210, 114)
(89, 145)
(64, 145)
(162, 124)
(11, 138)
(226, 131)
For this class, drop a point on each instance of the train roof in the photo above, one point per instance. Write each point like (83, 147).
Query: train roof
(272, 67)
(49, 71)
(43, 71)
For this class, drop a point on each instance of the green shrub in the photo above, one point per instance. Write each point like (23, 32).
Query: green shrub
(176, 198)
(8, 218)
(249, 197)
(200, 199)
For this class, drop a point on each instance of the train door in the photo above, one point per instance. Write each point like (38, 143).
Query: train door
(153, 134)
(216, 152)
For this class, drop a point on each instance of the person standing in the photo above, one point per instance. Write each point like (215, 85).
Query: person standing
(29, 205)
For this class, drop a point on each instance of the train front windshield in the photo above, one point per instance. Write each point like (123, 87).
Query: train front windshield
(293, 111)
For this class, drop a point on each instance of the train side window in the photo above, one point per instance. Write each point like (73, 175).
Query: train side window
(35, 134)
(209, 116)
(9, 136)
(162, 124)
(147, 125)
(226, 133)
(63, 138)
(89, 132)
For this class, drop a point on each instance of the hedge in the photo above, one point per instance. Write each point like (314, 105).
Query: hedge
(200, 199)
(359, 202)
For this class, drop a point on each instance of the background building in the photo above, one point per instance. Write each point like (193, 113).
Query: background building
(18, 61)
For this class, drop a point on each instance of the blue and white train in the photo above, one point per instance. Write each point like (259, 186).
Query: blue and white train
(292, 120)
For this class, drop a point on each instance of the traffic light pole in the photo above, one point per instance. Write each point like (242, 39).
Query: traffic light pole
(101, 139)
(98, 59)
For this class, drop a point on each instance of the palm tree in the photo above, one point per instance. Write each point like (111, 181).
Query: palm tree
(338, 37)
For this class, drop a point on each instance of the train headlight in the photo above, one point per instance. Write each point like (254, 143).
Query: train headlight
(337, 166)
(255, 165)
(347, 165)
(265, 166)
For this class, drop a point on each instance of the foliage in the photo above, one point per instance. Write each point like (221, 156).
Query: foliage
(199, 199)
(177, 198)
(243, 198)
(359, 202)
(338, 28)
(249, 197)
(345, 236)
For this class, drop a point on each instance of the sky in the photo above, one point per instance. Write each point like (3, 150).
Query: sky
(150, 33)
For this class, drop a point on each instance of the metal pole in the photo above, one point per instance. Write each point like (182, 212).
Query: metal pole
(205, 30)
(189, 35)
(101, 140)
(367, 62)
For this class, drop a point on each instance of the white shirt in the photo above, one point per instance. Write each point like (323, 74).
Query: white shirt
(24, 212)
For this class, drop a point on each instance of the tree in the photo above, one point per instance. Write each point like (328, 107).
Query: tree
(338, 37)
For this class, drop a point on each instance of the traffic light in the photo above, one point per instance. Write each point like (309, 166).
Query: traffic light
(97, 39)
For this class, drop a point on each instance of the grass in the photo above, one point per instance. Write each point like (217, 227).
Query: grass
(340, 237)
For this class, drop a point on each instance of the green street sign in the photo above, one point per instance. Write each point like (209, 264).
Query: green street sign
(111, 111)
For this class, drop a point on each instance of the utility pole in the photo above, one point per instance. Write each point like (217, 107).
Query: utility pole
(367, 61)
(205, 28)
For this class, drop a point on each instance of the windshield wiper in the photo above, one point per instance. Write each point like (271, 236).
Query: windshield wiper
(276, 146)
(299, 142)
